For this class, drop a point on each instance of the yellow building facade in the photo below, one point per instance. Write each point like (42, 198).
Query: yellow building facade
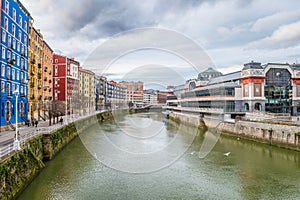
(35, 73)
(47, 79)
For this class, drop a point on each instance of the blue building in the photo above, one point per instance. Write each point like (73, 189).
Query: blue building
(14, 62)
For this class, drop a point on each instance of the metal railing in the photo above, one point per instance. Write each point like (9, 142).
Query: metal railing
(6, 150)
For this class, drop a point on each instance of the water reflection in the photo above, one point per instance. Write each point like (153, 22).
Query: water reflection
(251, 171)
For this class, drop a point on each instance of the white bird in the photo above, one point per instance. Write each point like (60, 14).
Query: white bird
(227, 154)
(193, 153)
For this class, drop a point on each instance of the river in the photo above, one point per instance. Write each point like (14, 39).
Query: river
(88, 168)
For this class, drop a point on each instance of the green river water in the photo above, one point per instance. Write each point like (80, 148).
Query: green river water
(251, 171)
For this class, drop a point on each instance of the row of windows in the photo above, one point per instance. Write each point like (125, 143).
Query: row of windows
(10, 88)
(13, 74)
(11, 58)
(14, 16)
(214, 92)
(12, 43)
(17, 34)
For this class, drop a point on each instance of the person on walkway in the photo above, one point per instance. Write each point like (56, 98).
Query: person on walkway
(36, 123)
(32, 122)
(61, 120)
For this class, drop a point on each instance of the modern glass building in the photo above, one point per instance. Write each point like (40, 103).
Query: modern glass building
(273, 88)
(14, 62)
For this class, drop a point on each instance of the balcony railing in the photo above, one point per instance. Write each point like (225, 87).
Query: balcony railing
(10, 62)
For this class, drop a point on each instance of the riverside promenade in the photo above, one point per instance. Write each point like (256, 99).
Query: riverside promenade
(27, 132)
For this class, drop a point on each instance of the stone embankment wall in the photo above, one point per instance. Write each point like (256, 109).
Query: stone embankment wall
(18, 169)
(282, 135)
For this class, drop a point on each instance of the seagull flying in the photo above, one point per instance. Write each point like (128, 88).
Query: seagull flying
(227, 154)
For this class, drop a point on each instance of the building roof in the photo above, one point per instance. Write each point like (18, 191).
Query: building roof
(252, 65)
(208, 74)
(225, 78)
(216, 86)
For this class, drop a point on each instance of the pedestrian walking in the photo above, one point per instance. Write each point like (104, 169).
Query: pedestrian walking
(36, 123)
(61, 120)
(32, 122)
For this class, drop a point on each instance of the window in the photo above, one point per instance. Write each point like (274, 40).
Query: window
(3, 35)
(13, 31)
(25, 40)
(14, 44)
(3, 52)
(20, 35)
(8, 56)
(6, 7)
(8, 72)
(5, 23)
(25, 26)
(8, 89)
(2, 87)
(20, 20)
(3, 70)
(14, 14)
(13, 74)
(18, 75)
(246, 90)
(298, 90)
(18, 61)
(9, 41)
(18, 46)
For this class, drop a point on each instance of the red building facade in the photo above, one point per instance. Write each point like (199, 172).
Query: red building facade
(65, 83)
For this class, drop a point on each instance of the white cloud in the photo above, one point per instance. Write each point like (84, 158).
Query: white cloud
(233, 31)
(285, 36)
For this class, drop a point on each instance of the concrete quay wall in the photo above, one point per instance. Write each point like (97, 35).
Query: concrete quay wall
(281, 135)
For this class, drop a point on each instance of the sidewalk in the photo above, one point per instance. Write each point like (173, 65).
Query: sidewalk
(7, 137)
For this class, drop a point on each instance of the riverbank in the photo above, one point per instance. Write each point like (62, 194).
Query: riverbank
(19, 168)
(282, 135)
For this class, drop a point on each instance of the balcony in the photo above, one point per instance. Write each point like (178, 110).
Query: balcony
(39, 75)
(39, 87)
(10, 62)
(32, 61)
(22, 95)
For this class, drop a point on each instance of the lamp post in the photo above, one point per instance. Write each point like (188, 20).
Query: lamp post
(16, 145)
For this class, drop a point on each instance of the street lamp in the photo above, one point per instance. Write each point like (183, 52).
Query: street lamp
(16, 145)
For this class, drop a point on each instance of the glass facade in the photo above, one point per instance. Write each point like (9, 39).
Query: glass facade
(278, 84)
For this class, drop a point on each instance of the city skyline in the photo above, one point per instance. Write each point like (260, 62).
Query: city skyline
(249, 31)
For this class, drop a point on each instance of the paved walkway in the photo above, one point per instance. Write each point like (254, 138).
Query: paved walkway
(7, 137)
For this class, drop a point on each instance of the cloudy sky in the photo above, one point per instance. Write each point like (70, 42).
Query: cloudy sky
(231, 32)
